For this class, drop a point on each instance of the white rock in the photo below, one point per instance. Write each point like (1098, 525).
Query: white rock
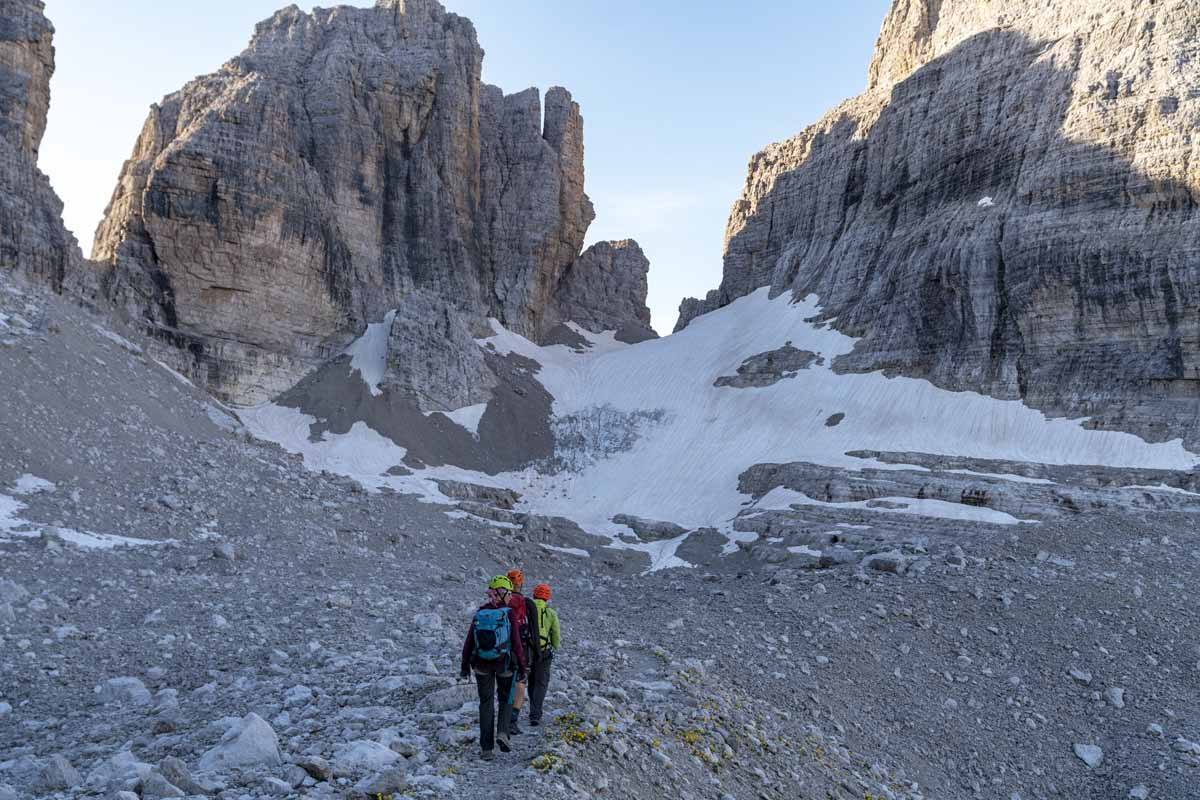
(297, 696)
(11, 592)
(448, 699)
(1139, 792)
(1115, 696)
(252, 742)
(363, 757)
(1090, 754)
(428, 622)
(1182, 745)
(277, 787)
(1081, 676)
(5, 709)
(122, 772)
(123, 691)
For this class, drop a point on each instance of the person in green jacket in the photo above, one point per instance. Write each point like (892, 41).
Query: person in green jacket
(549, 641)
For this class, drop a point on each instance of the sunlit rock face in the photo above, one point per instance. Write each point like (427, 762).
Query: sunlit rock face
(1010, 207)
(33, 240)
(347, 160)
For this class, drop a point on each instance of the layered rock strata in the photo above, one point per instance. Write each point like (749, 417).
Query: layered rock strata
(33, 240)
(1010, 207)
(351, 162)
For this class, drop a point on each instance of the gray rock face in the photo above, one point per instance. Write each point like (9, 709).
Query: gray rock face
(770, 368)
(432, 356)
(1009, 208)
(33, 239)
(605, 290)
(347, 160)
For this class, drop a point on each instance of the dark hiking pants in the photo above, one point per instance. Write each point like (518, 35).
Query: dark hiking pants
(539, 684)
(493, 688)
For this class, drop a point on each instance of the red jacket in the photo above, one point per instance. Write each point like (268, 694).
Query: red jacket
(495, 665)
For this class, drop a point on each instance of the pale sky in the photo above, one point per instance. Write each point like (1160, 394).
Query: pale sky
(677, 95)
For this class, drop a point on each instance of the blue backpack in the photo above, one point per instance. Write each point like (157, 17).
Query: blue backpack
(493, 634)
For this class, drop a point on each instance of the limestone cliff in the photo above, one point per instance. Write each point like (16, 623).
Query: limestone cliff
(1010, 207)
(33, 240)
(350, 162)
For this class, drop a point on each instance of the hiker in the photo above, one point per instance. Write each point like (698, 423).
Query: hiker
(525, 616)
(493, 650)
(542, 657)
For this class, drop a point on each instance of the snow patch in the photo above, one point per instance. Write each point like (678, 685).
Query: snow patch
(179, 376)
(924, 507)
(1162, 487)
(31, 484)
(120, 341)
(368, 353)
(662, 553)
(360, 452)
(1003, 476)
(986, 202)
(570, 551)
(12, 525)
(468, 418)
(692, 441)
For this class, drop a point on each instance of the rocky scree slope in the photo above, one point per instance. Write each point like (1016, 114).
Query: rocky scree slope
(1010, 207)
(351, 163)
(33, 240)
(280, 632)
(272, 632)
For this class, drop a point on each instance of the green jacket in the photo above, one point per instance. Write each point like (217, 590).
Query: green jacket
(551, 634)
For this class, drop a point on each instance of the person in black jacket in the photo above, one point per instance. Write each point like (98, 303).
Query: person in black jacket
(526, 612)
(494, 677)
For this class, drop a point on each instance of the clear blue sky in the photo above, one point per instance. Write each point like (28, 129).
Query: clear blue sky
(676, 95)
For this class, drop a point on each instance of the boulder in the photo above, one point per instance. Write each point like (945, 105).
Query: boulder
(122, 772)
(57, 774)
(448, 699)
(362, 757)
(249, 743)
(383, 784)
(157, 787)
(1090, 754)
(177, 773)
(11, 592)
(123, 691)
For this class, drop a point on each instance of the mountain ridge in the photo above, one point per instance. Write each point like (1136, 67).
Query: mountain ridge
(1009, 208)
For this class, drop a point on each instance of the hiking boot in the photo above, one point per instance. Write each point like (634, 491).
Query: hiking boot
(488, 755)
(515, 730)
(503, 742)
(533, 723)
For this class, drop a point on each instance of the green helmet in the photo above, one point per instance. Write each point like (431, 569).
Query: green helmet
(500, 582)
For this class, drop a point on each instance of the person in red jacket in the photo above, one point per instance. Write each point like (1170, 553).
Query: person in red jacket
(493, 649)
(525, 615)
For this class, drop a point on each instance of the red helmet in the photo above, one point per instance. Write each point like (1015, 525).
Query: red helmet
(541, 591)
(517, 577)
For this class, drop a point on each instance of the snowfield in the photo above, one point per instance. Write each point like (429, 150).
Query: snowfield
(693, 439)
